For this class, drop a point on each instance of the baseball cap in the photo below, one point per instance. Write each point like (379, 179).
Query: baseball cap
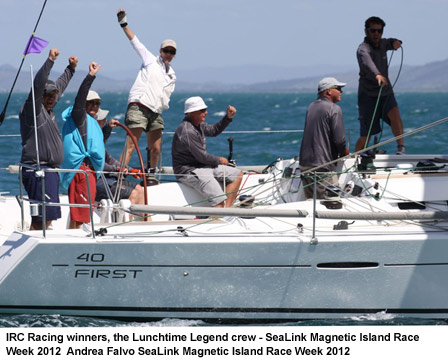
(328, 83)
(194, 103)
(168, 42)
(92, 95)
(50, 86)
(101, 114)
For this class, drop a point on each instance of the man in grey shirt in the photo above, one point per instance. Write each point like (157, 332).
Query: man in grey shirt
(51, 152)
(375, 92)
(197, 168)
(323, 138)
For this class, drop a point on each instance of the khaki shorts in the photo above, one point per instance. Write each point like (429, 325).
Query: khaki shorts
(142, 117)
(209, 182)
(323, 180)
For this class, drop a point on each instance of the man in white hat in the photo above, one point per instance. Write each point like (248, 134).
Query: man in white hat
(323, 137)
(150, 94)
(194, 166)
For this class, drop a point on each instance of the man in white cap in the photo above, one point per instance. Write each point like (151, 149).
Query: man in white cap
(150, 94)
(108, 183)
(194, 166)
(323, 137)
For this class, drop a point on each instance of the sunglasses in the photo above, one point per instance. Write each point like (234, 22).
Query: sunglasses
(94, 103)
(373, 31)
(338, 88)
(168, 51)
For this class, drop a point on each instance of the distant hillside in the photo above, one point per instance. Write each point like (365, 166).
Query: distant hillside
(429, 77)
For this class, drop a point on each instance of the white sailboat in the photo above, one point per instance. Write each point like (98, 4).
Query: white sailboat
(383, 248)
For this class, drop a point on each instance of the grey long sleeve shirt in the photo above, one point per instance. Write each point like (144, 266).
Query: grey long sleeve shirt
(324, 135)
(51, 150)
(372, 62)
(189, 145)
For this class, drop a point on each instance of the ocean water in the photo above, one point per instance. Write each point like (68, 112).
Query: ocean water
(283, 112)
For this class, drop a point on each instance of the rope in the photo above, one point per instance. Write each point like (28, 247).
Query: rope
(373, 116)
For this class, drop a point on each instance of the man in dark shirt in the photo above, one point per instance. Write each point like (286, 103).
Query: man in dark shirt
(373, 79)
(194, 166)
(51, 153)
(323, 138)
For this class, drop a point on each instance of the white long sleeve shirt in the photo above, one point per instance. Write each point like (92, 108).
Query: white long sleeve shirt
(154, 83)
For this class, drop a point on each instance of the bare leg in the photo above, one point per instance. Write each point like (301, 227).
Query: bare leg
(154, 143)
(396, 124)
(137, 132)
(232, 190)
(75, 224)
(38, 225)
(138, 197)
(361, 143)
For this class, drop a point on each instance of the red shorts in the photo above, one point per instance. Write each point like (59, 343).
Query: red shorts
(78, 194)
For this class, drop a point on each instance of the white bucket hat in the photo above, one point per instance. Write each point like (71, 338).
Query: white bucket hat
(194, 103)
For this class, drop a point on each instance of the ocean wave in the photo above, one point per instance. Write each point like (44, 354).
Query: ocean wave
(219, 113)
(382, 315)
(419, 111)
(15, 117)
(118, 116)
(46, 321)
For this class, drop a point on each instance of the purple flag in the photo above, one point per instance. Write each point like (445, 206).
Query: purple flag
(35, 45)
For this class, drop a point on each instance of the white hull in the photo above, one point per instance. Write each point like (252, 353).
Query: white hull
(235, 268)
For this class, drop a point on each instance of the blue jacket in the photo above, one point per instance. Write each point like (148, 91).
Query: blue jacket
(74, 150)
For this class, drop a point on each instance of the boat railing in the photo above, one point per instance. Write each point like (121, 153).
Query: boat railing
(34, 210)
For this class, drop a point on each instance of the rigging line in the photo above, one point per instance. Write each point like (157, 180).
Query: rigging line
(2, 115)
(409, 133)
(373, 115)
(249, 132)
(224, 132)
(364, 203)
(393, 85)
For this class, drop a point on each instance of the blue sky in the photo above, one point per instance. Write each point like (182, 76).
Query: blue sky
(219, 33)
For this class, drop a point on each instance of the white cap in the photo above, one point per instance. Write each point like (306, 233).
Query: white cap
(101, 114)
(194, 103)
(328, 83)
(92, 95)
(168, 42)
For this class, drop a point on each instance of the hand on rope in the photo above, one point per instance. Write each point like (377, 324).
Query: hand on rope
(127, 170)
(135, 173)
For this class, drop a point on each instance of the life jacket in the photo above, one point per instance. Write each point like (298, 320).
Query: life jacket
(74, 150)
